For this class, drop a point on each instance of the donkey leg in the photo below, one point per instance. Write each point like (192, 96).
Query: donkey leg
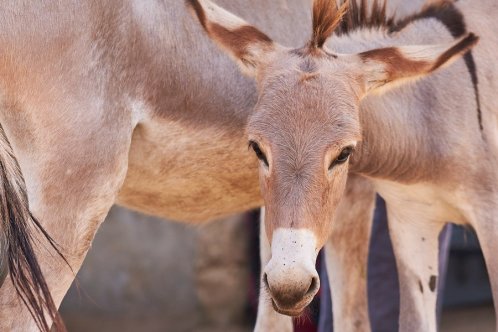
(268, 320)
(486, 228)
(347, 256)
(72, 182)
(415, 244)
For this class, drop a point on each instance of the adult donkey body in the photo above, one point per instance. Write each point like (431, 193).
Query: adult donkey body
(105, 101)
(421, 119)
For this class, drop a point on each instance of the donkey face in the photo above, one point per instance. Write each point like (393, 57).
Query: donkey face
(303, 137)
(305, 127)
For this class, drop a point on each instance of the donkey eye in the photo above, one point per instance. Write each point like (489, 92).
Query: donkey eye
(261, 156)
(342, 157)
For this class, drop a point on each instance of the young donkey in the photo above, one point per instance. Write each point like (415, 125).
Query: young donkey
(386, 100)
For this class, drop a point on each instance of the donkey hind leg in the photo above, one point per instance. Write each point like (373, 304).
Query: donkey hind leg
(268, 320)
(70, 193)
(416, 246)
(347, 256)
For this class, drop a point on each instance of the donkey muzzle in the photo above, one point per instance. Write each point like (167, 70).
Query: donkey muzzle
(290, 275)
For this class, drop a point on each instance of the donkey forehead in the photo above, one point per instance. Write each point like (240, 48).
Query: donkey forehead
(322, 82)
(296, 132)
(305, 99)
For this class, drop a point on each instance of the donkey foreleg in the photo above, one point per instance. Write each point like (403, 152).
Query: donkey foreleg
(268, 320)
(347, 255)
(486, 227)
(415, 243)
(72, 177)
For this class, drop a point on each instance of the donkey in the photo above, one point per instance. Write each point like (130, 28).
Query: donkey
(391, 100)
(108, 102)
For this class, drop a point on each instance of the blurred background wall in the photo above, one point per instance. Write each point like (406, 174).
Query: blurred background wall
(146, 274)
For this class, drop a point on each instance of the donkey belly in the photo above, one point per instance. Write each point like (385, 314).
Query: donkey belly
(425, 202)
(190, 175)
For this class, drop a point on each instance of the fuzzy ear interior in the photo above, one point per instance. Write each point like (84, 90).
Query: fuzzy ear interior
(242, 42)
(384, 67)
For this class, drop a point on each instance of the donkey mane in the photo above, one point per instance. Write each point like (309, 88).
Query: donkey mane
(348, 16)
(359, 16)
(326, 17)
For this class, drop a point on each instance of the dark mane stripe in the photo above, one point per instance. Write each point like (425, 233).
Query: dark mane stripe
(358, 16)
(446, 13)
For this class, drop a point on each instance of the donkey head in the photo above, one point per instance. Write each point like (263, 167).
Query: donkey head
(305, 127)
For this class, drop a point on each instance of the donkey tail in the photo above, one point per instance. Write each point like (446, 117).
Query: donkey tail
(17, 256)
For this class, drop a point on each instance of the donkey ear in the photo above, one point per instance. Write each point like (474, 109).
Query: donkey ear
(385, 67)
(241, 41)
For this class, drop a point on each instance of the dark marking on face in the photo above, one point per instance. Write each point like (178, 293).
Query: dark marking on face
(305, 52)
(432, 283)
(300, 52)
(421, 287)
(423, 239)
(308, 66)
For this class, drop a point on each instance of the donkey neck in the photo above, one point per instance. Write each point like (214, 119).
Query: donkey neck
(422, 131)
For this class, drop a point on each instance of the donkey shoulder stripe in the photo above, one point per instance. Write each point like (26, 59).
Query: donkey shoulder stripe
(449, 15)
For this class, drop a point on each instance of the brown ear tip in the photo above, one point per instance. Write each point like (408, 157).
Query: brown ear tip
(471, 39)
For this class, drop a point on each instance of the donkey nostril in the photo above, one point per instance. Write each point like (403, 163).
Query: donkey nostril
(313, 286)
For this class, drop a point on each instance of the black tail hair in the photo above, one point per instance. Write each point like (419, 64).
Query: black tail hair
(16, 227)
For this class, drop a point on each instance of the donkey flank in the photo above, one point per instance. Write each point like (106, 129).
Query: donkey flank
(395, 105)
